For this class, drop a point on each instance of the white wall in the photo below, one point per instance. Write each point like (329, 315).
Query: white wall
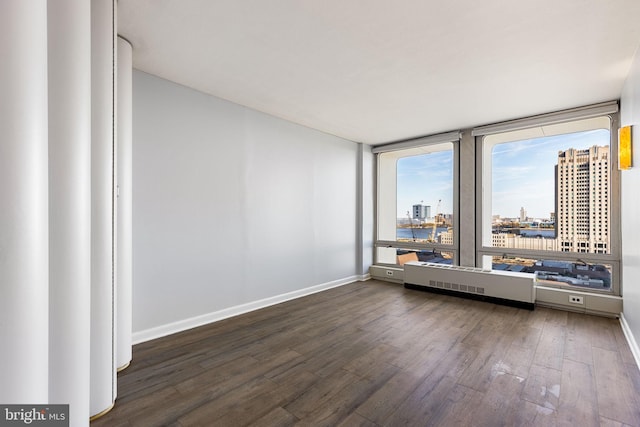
(630, 115)
(231, 206)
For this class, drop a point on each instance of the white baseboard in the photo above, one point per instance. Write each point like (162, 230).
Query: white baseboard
(635, 350)
(193, 322)
(364, 277)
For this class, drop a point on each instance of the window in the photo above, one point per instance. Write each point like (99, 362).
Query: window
(537, 195)
(417, 201)
(548, 200)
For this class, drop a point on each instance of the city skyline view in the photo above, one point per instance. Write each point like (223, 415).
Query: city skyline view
(423, 180)
(560, 178)
(523, 175)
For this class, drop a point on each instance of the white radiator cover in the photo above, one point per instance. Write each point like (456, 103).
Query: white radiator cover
(469, 280)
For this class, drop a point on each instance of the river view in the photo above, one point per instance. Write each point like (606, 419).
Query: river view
(425, 233)
(418, 233)
(548, 233)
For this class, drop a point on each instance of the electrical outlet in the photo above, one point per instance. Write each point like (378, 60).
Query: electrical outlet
(389, 272)
(574, 299)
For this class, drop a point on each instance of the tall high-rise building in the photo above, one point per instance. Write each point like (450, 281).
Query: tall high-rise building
(582, 200)
(523, 214)
(421, 212)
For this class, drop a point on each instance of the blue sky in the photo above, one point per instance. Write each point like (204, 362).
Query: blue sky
(423, 180)
(523, 175)
(523, 172)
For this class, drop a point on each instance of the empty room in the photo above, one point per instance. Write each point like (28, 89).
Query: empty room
(331, 213)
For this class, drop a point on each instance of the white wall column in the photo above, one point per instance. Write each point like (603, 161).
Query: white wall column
(124, 204)
(467, 191)
(364, 210)
(69, 55)
(24, 266)
(103, 366)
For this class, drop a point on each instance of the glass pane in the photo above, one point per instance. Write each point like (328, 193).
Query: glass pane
(401, 256)
(552, 193)
(559, 272)
(425, 197)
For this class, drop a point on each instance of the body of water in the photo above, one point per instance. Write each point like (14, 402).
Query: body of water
(425, 233)
(537, 232)
(420, 233)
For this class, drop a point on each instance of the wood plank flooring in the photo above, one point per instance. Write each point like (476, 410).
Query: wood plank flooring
(376, 354)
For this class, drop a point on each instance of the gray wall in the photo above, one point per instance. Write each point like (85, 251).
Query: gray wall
(630, 115)
(232, 206)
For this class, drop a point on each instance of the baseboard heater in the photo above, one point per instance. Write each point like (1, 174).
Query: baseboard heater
(508, 288)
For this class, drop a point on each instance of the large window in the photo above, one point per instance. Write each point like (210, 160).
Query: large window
(417, 201)
(546, 199)
(548, 202)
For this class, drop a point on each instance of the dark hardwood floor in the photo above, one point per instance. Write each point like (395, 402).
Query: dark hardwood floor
(373, 353)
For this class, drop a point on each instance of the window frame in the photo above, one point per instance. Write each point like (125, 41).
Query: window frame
(484, 253)
(449, 137)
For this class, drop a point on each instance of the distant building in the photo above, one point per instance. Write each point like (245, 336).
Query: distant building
(515, 241)
(446, 237)
(582, 216)
(582, 200)
(447, 218)
(421, 212)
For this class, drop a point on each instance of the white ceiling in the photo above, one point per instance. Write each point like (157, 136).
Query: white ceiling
(377, 71)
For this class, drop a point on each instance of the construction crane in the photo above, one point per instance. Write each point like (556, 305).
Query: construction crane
(413, 232)
(435, 222)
